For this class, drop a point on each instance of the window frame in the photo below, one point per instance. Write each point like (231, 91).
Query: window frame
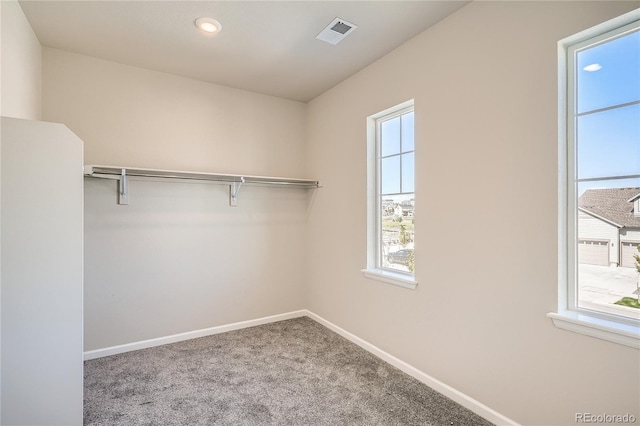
(569, 315)
(374, 269)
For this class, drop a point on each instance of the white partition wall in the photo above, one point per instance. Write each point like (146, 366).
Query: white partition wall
(41, 261)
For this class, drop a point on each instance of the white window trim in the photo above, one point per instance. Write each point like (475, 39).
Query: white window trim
(569, 316)
(390, 278)
(372, 271)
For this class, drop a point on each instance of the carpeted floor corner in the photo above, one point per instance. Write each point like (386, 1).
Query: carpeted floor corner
(294, 372)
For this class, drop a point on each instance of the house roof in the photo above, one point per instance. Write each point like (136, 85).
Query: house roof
(632, 199)
(614, 205)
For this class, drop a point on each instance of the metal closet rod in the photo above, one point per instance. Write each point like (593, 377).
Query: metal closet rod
(234, 181)
(113, 172)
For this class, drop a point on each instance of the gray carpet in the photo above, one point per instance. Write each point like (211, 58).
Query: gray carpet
(294, 372)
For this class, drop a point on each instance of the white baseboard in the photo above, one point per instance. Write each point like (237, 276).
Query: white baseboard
(446, 390)
(465, 400)
(134, 346)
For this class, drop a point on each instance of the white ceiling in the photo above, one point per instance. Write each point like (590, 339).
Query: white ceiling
(265, 46)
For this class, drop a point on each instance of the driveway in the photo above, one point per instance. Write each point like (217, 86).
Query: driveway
(605, 284)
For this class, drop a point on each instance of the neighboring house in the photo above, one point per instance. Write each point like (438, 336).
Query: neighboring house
(609, 226)
(388, 208)
(408, 208)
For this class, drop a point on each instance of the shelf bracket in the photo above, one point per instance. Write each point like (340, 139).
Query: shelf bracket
(123, 195)
(234, 188)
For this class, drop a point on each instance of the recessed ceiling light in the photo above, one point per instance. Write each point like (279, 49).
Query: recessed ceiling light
(592, 67)
(208, 25)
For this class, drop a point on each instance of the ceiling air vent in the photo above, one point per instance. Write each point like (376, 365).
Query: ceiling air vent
(336, 31)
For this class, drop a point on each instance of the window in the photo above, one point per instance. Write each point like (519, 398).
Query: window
(599, 154)
(391, 196)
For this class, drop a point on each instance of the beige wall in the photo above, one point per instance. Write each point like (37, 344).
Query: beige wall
(21, 65)
(485, 87)
(132, 116)
(484, 83)
(178, 258)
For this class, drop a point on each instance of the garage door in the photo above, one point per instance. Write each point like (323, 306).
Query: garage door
(593, 252)
(628, 250)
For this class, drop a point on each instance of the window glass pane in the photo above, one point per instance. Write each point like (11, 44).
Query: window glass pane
(607, 235)
(613, 183)
(407, 132)
(397, 233)
(407, 172)
(607, 74)
(609, 142)
(390, 137)
(390, 175)
(393, 228)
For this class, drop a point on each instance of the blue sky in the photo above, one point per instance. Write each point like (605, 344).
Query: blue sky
(609, 141)
(618, 81)
(398, 137)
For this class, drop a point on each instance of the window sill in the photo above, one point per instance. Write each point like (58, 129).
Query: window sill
(391, 278)
(612, 331)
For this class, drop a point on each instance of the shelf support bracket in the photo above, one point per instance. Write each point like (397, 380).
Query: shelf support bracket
(123, 195)
(234, 188)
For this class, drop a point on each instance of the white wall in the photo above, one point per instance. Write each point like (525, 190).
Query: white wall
(630, 234)
(485, 87)
(21, 60)
(41, 274)
(20, 70)
(178, 258)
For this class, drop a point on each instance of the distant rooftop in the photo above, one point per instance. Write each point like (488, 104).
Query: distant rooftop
(612, 204)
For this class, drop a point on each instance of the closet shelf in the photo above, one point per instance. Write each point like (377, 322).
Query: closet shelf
(234, 181)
